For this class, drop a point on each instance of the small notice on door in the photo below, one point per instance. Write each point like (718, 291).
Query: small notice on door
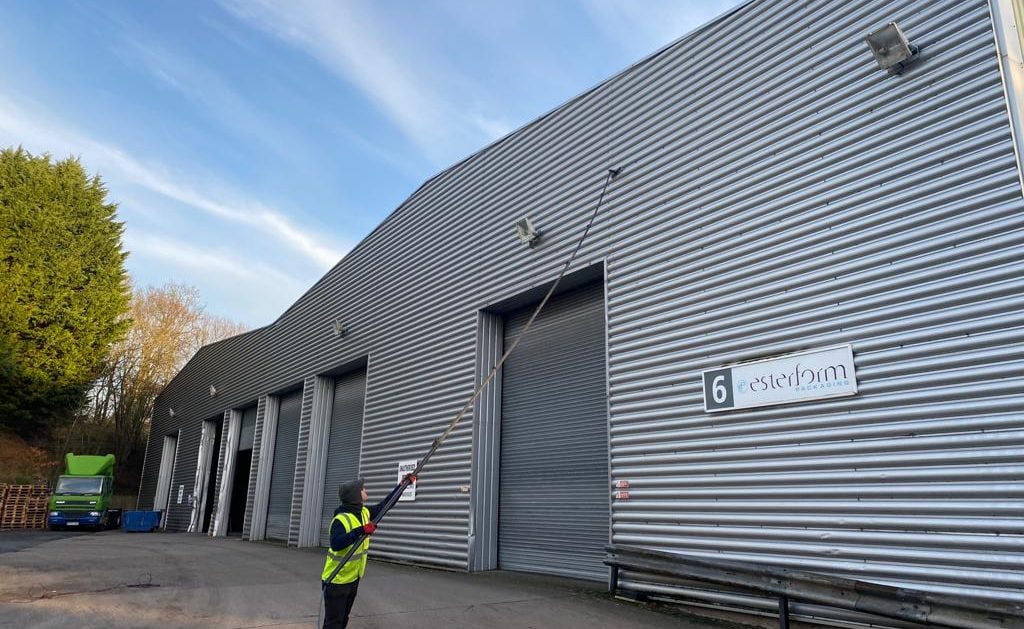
(407, 467)
(181, 492)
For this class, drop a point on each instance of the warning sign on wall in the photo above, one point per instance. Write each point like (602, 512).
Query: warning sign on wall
(407, 467)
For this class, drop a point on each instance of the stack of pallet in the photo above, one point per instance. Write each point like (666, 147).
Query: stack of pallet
(23, 506)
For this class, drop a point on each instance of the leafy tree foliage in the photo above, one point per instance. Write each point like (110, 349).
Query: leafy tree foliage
(63, 288)
(168, 326)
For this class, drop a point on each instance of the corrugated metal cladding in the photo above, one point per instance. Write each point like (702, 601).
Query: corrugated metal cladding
(250, 500)
(282, 476)
(553, 479)
(779, 193)
(301, 460)
(343, 444)
(825, 202)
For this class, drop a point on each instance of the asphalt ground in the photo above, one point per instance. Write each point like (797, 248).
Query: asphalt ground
(118, 579)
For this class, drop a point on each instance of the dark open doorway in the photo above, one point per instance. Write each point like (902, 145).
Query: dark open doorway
(239, 492)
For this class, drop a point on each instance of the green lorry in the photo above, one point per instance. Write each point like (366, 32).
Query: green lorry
(83, 494)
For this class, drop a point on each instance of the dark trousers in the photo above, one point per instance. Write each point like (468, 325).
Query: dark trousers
(338, 601)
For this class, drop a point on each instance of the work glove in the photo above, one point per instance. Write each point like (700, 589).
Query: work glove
(369, 528)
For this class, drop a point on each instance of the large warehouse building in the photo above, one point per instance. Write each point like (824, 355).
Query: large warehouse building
(794, 335)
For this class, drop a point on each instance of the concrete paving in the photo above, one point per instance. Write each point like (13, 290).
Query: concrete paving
(117, 579)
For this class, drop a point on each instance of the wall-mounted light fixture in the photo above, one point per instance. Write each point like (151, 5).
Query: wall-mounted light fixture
(340, 330)
(891, 48)
(526, 232)
(170, 411)
(213, 391)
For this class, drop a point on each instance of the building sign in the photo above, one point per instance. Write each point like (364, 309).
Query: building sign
(810, 375)
(407, 467)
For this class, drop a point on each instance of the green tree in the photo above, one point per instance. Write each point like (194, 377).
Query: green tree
(63, 289)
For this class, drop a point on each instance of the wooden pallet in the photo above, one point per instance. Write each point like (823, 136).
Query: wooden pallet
(23, 506)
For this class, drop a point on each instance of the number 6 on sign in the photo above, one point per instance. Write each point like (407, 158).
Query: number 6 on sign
(718, 389)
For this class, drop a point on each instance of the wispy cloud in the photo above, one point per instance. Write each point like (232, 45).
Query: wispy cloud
(35, 130)
(257, 291)
(411, 86)
(212, 94)
(203, 260)
(660, 21)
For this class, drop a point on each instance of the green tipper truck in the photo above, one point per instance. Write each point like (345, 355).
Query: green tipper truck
(83, 493)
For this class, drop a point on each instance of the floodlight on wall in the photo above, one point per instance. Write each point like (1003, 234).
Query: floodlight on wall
(170, 411)
(526, 232)
(891, 48)
(213, 391)
(340, 331)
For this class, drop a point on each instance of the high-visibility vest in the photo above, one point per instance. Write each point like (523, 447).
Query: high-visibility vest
(356, 566)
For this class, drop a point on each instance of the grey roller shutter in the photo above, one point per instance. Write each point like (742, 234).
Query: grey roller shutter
(553, 511)
(344, 442)
(247, 434)
(282, 476)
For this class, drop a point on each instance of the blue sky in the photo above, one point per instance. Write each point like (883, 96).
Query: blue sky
(250, 144)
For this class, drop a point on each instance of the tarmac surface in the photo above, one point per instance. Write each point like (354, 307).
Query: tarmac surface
(118, 579)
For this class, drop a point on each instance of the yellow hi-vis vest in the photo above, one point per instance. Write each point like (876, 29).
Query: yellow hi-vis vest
(356, 566)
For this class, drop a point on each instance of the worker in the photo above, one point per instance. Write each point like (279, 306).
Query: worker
(351, 520)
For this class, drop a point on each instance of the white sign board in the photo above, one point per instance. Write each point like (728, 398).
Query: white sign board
(810, 375)
(407, 467)
(181, 492)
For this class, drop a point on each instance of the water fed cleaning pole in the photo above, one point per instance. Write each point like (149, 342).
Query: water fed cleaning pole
(407, 479)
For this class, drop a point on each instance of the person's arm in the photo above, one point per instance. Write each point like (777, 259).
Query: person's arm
(375, 509)
(340, 540)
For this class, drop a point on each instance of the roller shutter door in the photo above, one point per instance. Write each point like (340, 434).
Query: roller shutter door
(282, 476)
(344, 443)
(553, 511)
(247, 434)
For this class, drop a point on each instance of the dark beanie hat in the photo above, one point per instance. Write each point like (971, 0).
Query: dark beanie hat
(351, 493)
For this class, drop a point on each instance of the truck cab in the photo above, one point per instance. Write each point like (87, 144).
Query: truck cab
(83, 494)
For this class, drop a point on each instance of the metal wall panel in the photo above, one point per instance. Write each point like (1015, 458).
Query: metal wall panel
(179, 513)
(343, 445)
(205, 465)
(166, 472)
(282, 474)
(779, 193)
(553, 482)
(255, 523)
(895, 227)
(301, 457)
(483, 524)
(227, 460)
(316, 468)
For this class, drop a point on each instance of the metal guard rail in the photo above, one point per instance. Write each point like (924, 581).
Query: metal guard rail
(811, 587)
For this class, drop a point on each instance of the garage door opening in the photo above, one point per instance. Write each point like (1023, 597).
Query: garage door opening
(553, 502)
(168, 456)
(210, 485)
(344, 442)
(282, 475)
(243, 467)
